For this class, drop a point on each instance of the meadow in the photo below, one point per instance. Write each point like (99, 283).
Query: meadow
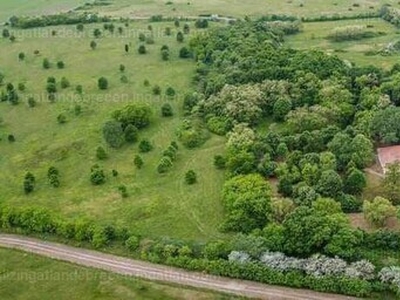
(157, 205)
(314, 36)
(26, 276)
(237, 8)
(10, 8)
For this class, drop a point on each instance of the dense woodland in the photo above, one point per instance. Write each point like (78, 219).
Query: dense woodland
(328, 118)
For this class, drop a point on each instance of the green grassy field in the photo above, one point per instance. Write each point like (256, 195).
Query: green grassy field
(314, 36)
(26, 276)
(239, 8)
(9, 8)
(158, 205)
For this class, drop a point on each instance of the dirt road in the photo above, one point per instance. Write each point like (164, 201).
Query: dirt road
(155, 272)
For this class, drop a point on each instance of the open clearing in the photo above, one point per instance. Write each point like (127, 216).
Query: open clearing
(313, 36)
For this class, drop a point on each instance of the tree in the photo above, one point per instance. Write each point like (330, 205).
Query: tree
(355, 182)
(308, 230)
(101, 154)
(145, 146)
(176, 23)
(166, 110)
(53, 176)
(21, 56)
(391, 183)
(126, 48)
(138, 161)
(79, 27)
(21, 86)
(113, 134)
(46, 64)
(201, 23)
(131, 133)
(190, 177)
(378, 211)
(12, 38)
(142, 49)
(60, 64)
(281, 108)
(97, 33)
(281, 207)
(97, 176)
(31, 102)
(247, 200)
(29, 183)
(137, 114)
(330, 184)
(102, 83)
(93, 45)
(142, 37)
(180, 37)
(11, 138)
(122, 68)
(168, 31)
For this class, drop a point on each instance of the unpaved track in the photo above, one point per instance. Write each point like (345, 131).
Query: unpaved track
(155, 272)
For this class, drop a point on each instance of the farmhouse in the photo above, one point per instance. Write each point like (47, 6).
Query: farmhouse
(388, 155)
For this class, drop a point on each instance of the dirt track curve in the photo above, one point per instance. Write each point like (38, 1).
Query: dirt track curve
(161, 273)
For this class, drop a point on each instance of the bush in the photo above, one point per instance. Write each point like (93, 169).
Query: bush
(61, 118)
(60, 64)
(31, 102)
(219, 162)
(102, 83)
(166, 110)
(11, 138)
(184, 53)
(93, 45)
(132, 243)
(21, 86)
(29, 183)
(201, 23)
(165, 55)
(145, 146)
(170, 92)
(21, 56)
(142, 49)
(113, 134)
(46, 64)
(122, 68)
(156, 90)
(79, 89)
(97, 176)
(101, 154)
(64, 83)
(180, 37)
(190, 177)
(123, 191)
(164, 165)
(51, 88)
(138, 161)
(131, 133)
(137, 114)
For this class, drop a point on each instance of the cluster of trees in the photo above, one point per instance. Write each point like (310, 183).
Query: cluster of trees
(58, 19)
(350, 33)
(390, 14)
(126, 124)
(168, 157)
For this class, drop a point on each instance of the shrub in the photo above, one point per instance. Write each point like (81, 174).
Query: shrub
(378, 211)
(51, 88)
(179, 37)
(142, 49)
(64, 83)
(186, 29)
(122, 68)
(46, 64)
(11, 138)
(21, 56)
(164, 165)
(61, 118)
(102, 83)
(131, 133)
(184, 53)
(124, 79)
(113, 134)
(142, 37)
(166, 110)
(79, 89)
(31, 102)
(97, 176)
(137, 114)
(156, 90)
(77, 109)
(132, 243)
(190, 177)
(79, 27)
(21, 86)
(145, 146)
(201, 23)
(168, 31)
(101, 154)
(60, 64)
(93, 45)
(219, 162)
(165, 55)
(138, 161)
(29, 183)
(170, 92)
(123, 191)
